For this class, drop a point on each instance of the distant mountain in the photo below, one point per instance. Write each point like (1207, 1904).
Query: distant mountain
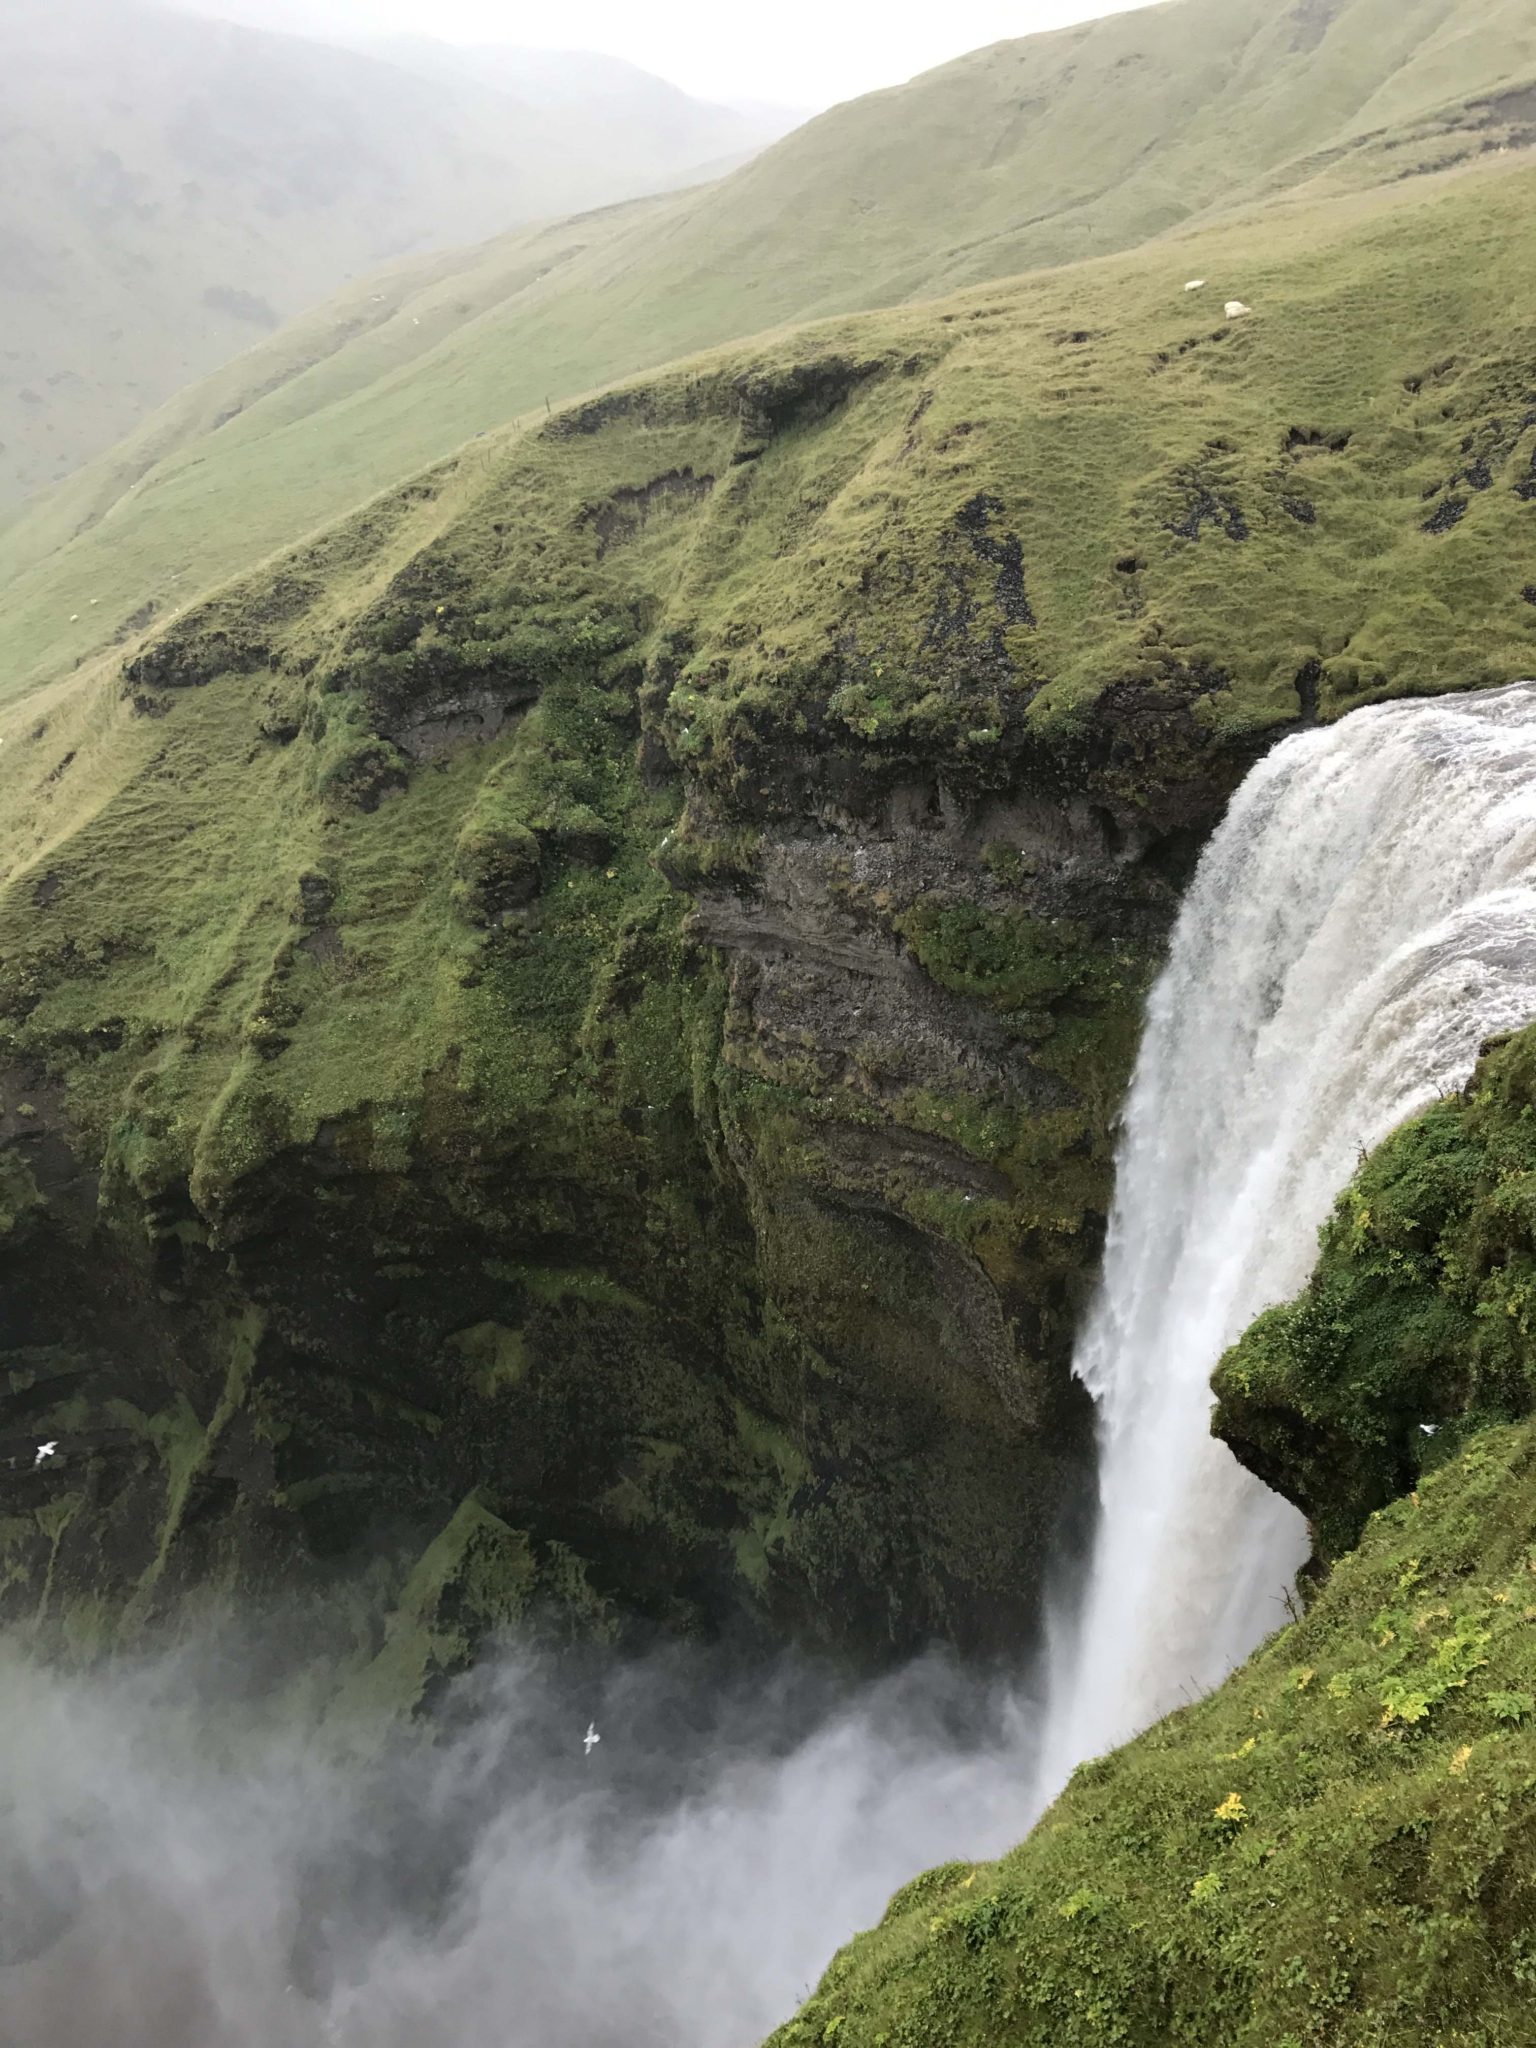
(1025, 154)
(174, 188)
(640, 117)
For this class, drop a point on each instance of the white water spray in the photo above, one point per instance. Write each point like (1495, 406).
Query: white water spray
(1364, 917)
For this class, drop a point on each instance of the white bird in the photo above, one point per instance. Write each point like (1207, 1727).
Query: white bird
(591, 1739)
(44, 1453)
(1429, 1428)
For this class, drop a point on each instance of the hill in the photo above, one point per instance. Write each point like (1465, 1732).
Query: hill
(595, 992)
(1030, 153)
(635, 116)
(561, 1034)
(173, 189)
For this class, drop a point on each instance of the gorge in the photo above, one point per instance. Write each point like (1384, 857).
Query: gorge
(1363, 919)
(768, 1134)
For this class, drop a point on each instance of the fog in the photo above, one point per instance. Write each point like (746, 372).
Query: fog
(813, 54)
(176, 1874)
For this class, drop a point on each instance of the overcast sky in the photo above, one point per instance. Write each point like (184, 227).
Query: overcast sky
(797, 52)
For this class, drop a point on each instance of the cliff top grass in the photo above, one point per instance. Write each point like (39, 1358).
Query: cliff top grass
(1084, 521)
(1335, 1848)
(1047, 151)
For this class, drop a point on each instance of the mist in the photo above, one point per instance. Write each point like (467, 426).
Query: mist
(816, 55)
(180, 1868)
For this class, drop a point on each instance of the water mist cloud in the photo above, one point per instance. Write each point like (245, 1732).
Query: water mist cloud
(172, 1876)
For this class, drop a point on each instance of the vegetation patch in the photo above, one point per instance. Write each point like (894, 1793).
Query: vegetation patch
(1334, 1849)
(1418, 1326)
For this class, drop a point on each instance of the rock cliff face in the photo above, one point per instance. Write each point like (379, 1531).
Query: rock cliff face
(720, 1262)
(561, 1043)
(755, 1311)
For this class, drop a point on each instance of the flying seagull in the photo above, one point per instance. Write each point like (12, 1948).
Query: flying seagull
(591, 1739)
(44, 1453)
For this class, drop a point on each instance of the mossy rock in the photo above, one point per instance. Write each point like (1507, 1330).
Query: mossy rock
(1419, 1322)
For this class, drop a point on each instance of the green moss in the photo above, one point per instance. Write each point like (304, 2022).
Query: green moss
(1004, 959)
(475, 1579)
(498, 1357)
(19, 1192)
(1419, 1323)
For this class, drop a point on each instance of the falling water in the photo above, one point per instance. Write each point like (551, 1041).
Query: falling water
(1362, 920)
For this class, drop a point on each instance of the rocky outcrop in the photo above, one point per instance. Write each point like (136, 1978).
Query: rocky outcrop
(1415, 1330)
(782, 1345)
(760, 1319)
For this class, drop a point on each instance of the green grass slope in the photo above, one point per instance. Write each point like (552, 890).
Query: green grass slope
(1330, 500)
(1031, 153)
(432, 921)
(173, 189)
(1335, 1850)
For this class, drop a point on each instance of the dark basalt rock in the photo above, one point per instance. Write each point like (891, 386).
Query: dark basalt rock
(1207, 509)
(1449, 513)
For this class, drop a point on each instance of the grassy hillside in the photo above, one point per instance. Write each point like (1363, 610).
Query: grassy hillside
(442, 946)
(1334, 1849)
(172, 190)
(1036, 152)
(1328, 500)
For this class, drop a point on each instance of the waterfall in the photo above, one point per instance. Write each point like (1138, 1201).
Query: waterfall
(1364, 917)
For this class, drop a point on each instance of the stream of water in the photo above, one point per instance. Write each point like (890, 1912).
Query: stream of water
(1364, 917)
